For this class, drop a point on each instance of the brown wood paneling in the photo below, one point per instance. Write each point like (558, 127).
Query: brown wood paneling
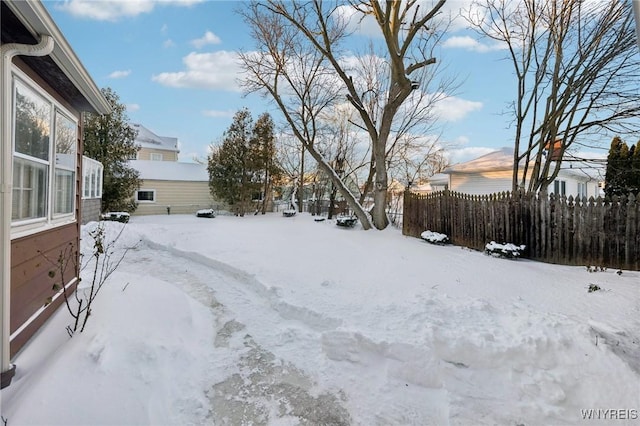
(26, 248)
(33, 257)
(27, 299)
(23, 337)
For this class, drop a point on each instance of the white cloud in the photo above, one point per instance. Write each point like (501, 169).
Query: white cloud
(449, 17)
(112, 10)
(168, 43)
(164, 29)
(217, 70)
(207, 38)
(120, 74)
(451, 108)
(132, 107)
(218, 113)
(469, 43)
(363, 25)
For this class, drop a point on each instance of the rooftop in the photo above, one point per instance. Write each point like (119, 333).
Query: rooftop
(147, 139)
(171, 170)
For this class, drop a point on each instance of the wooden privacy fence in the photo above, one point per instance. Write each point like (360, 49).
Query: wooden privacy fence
(593, 232)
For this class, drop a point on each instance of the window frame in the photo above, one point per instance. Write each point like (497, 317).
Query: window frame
(73, 168)
(582, 190)
(153, 191)
(50, 219)
(560, 187)
(92, 176)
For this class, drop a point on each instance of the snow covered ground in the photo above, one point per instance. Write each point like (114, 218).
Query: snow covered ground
(268, 320)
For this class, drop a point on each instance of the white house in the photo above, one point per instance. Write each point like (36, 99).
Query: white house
(492, 173)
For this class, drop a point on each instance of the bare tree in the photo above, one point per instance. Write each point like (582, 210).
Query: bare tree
(299, 64)
(347, 153)
(577, 70)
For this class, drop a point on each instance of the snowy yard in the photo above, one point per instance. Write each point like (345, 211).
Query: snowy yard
(268, 320)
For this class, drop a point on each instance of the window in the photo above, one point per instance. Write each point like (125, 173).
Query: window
(146, 196)
(156, 156)
(560, 187)
(91, 178)
(582, 189)
(31, 156)
(44, 157)
(65, 167)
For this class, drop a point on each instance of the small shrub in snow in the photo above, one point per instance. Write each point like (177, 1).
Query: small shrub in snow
(593, 287)
(289, 213)
(206, 213)
(346, 221)
(103, 261)
(508, 250)
(434, 237)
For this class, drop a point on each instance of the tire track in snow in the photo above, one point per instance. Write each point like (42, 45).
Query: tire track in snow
(310, 318)
(261, 387)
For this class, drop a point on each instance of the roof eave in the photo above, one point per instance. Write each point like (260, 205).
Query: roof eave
(38, 21)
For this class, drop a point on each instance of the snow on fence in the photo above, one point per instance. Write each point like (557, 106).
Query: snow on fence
(599, 232)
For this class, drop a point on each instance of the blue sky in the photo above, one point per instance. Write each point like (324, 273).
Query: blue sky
(172, 64)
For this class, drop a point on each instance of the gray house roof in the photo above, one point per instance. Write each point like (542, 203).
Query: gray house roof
(147, 139)
(171, 170)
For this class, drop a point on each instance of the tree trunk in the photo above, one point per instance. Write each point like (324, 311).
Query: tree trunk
(301, 185)
(332, 201)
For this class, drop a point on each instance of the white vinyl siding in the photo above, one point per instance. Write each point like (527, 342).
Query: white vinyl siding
(481, 183)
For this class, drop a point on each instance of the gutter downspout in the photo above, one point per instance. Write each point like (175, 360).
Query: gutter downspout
(7, 53)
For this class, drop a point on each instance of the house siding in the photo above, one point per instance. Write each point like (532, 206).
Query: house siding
(145, 154)
(91, 210)
(572, 186)
(481, 183)
(31, 284)
(500, 181)
(184, 197)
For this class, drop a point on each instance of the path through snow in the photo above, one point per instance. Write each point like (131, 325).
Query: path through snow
(265, 389)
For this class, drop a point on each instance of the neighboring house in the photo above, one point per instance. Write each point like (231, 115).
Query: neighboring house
(153, 147)
(92, 173)
(492, 173)
(45, 89)
(172, 187)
